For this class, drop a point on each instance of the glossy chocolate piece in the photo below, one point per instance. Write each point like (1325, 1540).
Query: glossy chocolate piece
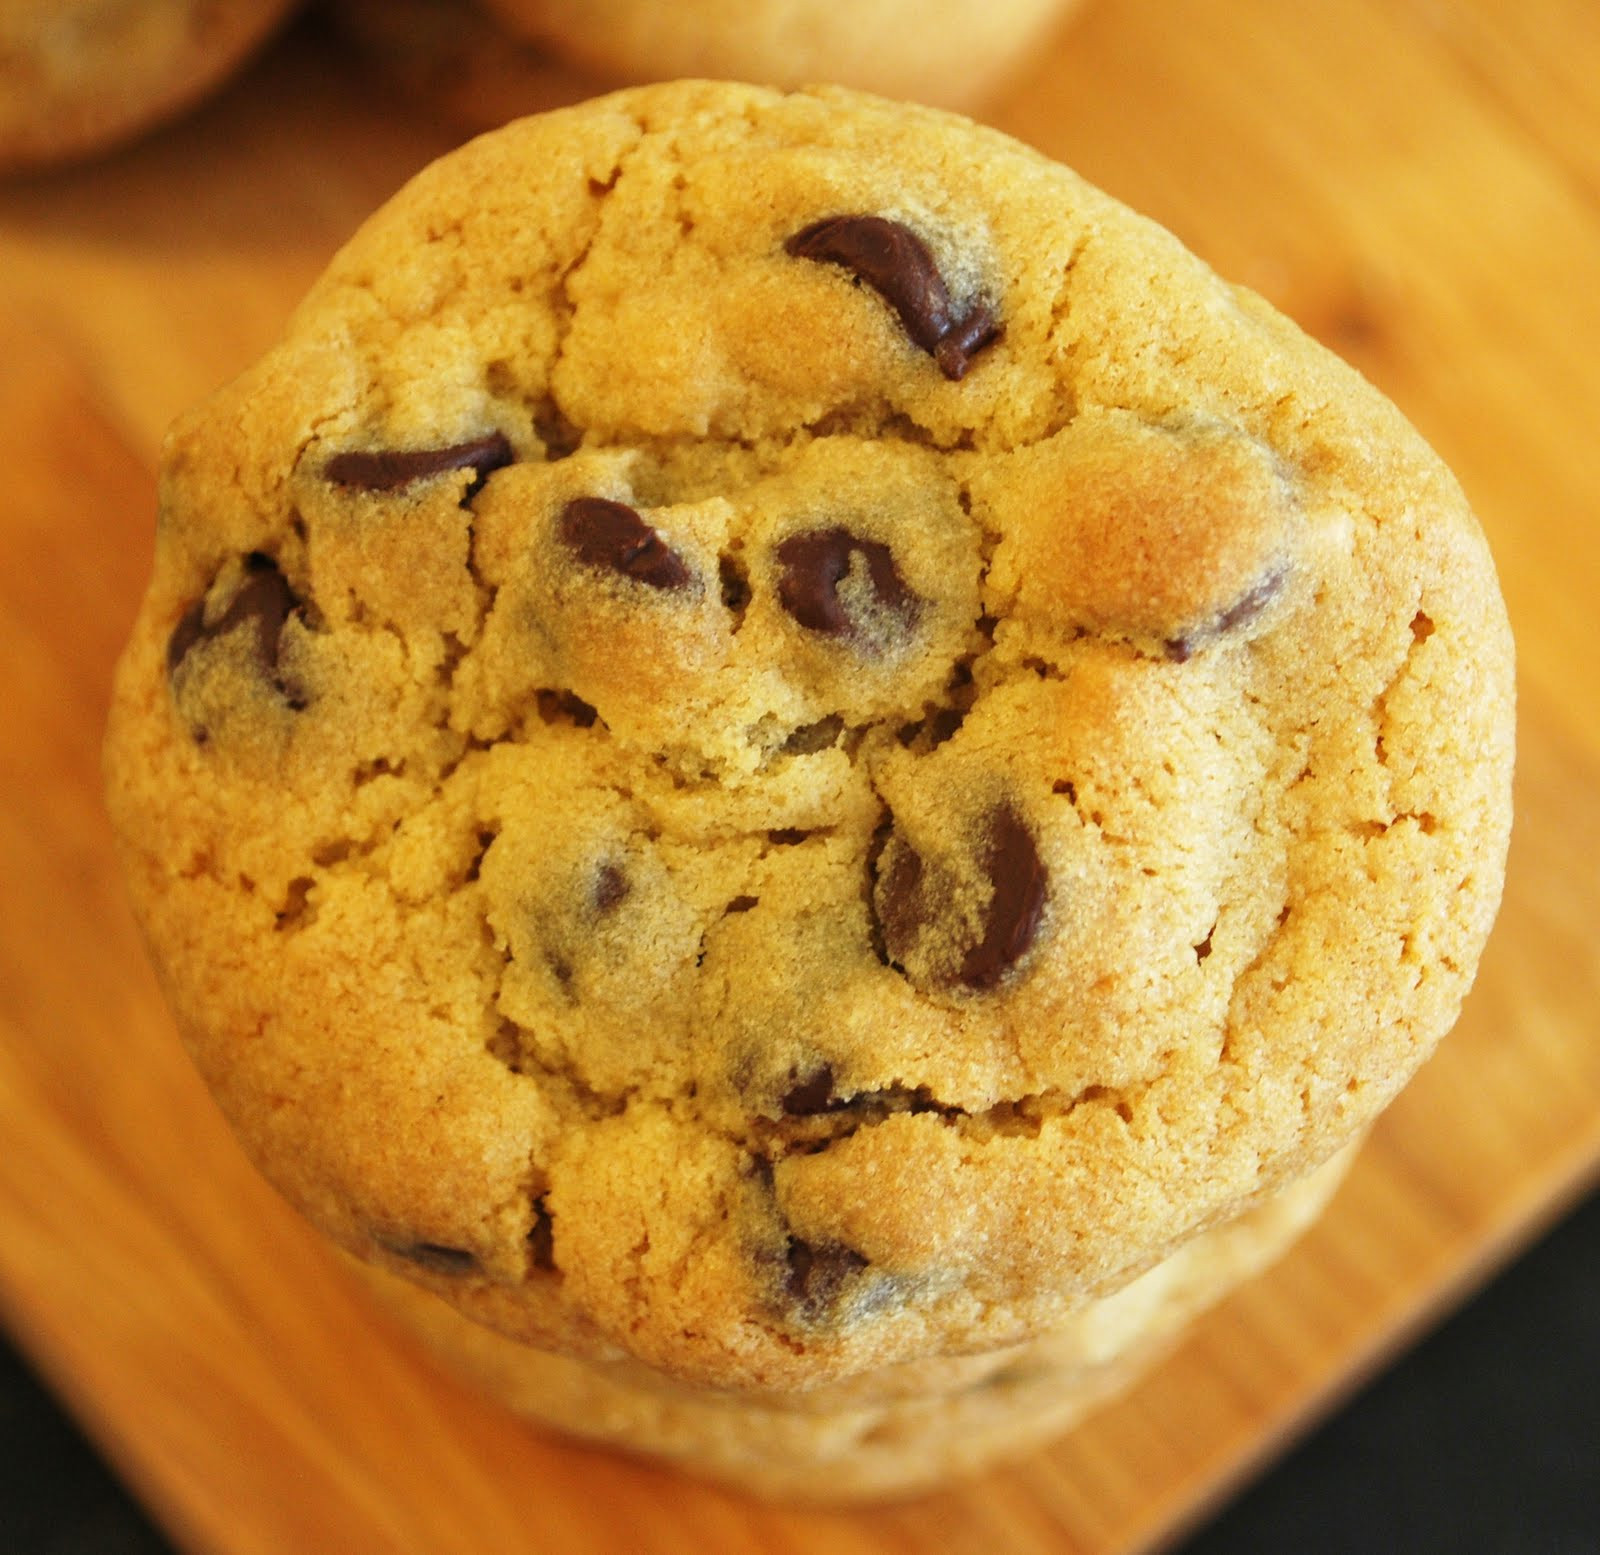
(890, 258)
(262, 604)
(391, 469)
(814, 563)
(611, 537)
(909, 900)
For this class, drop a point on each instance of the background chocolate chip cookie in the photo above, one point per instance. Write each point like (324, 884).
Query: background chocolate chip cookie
(779, 741)
(952, 53)
(80, 76)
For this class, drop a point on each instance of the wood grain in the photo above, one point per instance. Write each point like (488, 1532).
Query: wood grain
(1418, 184)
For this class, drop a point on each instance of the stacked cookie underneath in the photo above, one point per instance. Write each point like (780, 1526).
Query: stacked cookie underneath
(802, 781)
(894, 1431)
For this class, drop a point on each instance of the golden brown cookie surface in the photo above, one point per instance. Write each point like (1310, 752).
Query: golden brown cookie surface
(777, 738)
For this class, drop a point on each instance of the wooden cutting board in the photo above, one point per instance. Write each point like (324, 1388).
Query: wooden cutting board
(1418, 184)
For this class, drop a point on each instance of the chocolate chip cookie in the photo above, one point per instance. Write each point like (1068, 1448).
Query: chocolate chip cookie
(457, 60)
(779, 741)
(80, 76)
(952, 53)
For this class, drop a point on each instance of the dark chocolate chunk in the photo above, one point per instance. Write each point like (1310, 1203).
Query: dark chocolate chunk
(1241, 612)
(899, 266)
(818, 1274)
(955, 351)
(817, 561)
(812, 1095)
(388, 469)
(436, 1257)
(611, 536)
(741, 904)
(1011, 861)
(263, 603)
(610, 888)
(909, 898)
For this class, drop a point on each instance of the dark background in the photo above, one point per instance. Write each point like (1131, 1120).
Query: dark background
(1483, 1440)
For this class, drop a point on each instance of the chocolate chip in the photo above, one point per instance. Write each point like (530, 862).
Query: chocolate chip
(899, 266)
(741, 904)
(1241, 612)
(818, 1274)
(389, 469)
(436, 1257)
(910, 899)
(263, 603)
(1012, 863)
(817, 561)
(611, 536)
(955, 351)
(610, 888)
(813, 1095)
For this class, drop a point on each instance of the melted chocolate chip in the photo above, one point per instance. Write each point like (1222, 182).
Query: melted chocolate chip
(818, 1274)
(812, 1095)
(610, 888)
(909, 899)
(955, 351)
(436, 1257)
(263, 603)
(891, 259)
(1011, 861)
(817, 561)
(612, 537)
(389, 469)
(741, 904)
(1241, 612)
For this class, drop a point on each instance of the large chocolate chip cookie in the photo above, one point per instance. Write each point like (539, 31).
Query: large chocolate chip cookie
(778, 739)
